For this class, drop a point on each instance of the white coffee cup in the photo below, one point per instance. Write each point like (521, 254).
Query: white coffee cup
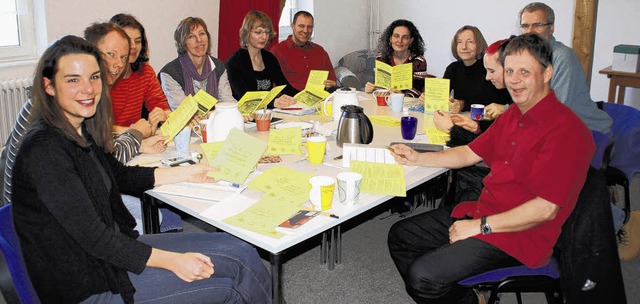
(183, 140)
(395, 102)
(348, 184)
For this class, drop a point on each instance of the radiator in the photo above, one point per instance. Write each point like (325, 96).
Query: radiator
(13, 94)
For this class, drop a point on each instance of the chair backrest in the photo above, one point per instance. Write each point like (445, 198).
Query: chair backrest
(600, 156)
(626, 138)
(14, 279)
(13, 144)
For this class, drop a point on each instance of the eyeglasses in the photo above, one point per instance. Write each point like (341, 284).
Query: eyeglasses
(526, 26)
(260, 33)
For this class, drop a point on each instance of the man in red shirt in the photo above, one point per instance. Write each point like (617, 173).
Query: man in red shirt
(539, 153)
(298, 55)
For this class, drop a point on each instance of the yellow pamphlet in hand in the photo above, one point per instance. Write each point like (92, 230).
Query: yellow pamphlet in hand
(263, 217)
(310, 97)
(179, 118)
(238, 157)
(253, 100)
(377, 178)
(205, 101)
(211, 149)
(283, 184)
(285, 141)
(436, 94)
(316, 80)
(399, 77)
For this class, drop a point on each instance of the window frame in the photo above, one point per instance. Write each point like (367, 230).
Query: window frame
(27, 49)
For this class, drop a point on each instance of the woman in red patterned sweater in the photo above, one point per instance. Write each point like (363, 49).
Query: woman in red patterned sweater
(138, 90)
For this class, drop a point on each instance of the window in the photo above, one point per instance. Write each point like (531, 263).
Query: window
(17, 38)
(291, 7)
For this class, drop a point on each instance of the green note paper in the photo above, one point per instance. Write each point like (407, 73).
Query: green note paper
(263, 217)
(379, 178)
(238, 156)
(283, 184)
(211, 150)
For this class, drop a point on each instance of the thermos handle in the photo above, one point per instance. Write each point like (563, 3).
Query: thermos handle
(324, 103)
(366, 129)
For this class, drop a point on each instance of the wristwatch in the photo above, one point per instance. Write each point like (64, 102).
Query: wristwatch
(484, 227)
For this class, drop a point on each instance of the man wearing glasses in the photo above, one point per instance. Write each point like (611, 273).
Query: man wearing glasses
(568, 80)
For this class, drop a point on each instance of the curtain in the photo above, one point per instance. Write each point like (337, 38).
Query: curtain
(232, 14)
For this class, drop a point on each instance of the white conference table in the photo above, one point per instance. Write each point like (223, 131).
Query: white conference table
(327, 226)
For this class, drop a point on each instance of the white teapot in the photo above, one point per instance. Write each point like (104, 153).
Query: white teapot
(341, 97)
(222, 120)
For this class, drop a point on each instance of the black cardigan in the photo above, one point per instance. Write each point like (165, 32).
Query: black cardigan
(242, 77)
(77, 238)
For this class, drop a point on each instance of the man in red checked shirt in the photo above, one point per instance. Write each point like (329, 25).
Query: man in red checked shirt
(539, 153)
(298, 55)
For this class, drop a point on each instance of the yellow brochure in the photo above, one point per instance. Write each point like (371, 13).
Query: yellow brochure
(316, 80)
(436, 94)
(238, 156)
(385, 179)
(399, 77)
(211, 150)
(310, 97)
(285, 141)
(283, 185)
(179, 118)
(253, 100)
(205, 101)
(263, 217)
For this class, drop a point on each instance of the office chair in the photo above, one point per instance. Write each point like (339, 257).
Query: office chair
(14, 280)
(625, 157)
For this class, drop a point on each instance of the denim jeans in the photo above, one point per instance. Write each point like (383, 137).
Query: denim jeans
(239, 274)
(431, 267)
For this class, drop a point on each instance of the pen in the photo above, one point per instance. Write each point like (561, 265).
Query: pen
(290, 109)
(329, 215)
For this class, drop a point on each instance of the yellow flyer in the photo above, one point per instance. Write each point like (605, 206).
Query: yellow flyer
(399, 77)
(379, 178)
(285, 141)
(311, 97)
(179, 118)
(263, 217)
(238, 157)
(283, 184)
(436, 94)
(316, 80)
(205, 101)
(253, 100)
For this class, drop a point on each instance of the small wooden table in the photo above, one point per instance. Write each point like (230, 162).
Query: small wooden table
(622, 80)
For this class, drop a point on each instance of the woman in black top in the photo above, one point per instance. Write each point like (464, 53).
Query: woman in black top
(77, 236)
(252, 68)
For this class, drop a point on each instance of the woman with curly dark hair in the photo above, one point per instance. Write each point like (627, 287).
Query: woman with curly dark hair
(401, 43)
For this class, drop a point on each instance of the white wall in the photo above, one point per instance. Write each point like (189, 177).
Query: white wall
(159, 17)
(341, 27)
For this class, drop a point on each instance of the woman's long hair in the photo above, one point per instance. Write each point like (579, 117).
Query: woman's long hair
(47, 108)
(416, 48)
(126, 20)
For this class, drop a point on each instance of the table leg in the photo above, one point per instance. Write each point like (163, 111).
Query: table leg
(621, 91)
(612, 90)
(332, 250)
(338, 245)
(150, 214)
(324, 247)
(276, 277)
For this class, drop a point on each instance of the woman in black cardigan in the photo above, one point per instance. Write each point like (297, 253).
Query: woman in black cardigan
(77, 236)
(252, 68)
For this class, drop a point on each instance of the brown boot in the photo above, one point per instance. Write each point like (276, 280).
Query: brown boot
(629, 247)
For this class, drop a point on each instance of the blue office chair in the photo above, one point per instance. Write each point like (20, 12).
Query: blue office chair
(601, 156)
(625, 158)
(519, 279)
(14, 280)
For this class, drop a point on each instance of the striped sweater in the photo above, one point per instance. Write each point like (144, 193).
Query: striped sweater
(128, 96)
